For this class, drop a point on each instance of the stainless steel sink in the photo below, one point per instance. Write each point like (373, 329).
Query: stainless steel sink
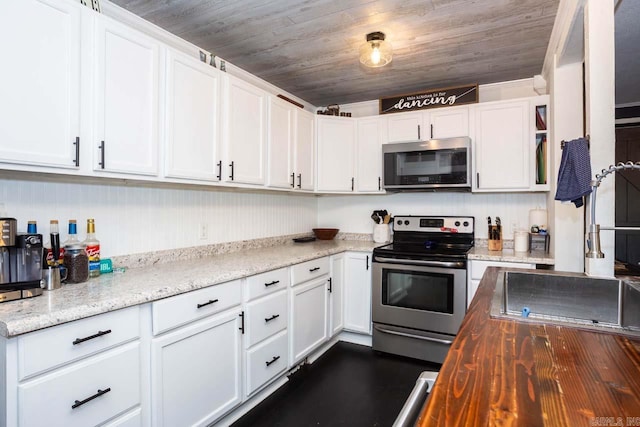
(568, 299)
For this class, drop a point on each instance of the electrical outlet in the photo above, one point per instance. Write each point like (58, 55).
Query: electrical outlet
(203, 232)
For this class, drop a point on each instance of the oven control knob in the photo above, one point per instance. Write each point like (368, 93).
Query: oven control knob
(466, 223)
(399, 222)
(406, 222)
(457, 223)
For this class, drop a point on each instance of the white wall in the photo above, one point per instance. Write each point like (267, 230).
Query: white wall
(353, 213)
(135, 219)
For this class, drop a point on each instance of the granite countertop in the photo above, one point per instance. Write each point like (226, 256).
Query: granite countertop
(506, 372)
(509, 255)
(145, 284)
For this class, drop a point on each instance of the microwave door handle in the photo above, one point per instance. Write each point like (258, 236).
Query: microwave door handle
(420, 337)
(420, 262)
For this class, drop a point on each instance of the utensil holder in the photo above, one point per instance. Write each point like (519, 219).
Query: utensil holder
(381, 233)
(495, 238)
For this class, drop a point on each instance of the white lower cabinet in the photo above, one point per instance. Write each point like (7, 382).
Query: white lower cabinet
(266, 360)
(357, 292)
(196, 371)
(476, 270)
(336, 294)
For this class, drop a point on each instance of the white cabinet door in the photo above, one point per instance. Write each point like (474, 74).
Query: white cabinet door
(502, 146)
(195, 370)
(336, 151)
(280, 143)
(369, 155)
(357, 292)
(403, 127)
(336, 298)
(245, 131)
(126, 99)
(192, 119)
(40, 90)
(304, 155)
(308, 326)
(449, 122)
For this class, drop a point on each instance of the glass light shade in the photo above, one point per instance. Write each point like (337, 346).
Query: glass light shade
(376, 52)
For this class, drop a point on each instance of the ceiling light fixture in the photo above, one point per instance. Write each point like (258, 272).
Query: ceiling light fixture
(376, 52)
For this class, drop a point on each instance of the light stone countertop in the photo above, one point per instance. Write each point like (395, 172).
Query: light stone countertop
(136, 286)
(509, 255)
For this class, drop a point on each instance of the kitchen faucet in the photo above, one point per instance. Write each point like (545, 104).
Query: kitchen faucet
(593, 242)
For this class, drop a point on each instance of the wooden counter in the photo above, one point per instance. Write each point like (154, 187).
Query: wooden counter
(509, 373)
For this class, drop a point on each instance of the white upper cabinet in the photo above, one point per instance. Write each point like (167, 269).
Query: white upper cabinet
(424, 125)
(403, 127)
(281, 144)
(502, 146)
(369, 154)
(192, 119)
(304, 155)
(449, 122)
(126, 99)
(40, 90)
(336, 153)
(245, 132)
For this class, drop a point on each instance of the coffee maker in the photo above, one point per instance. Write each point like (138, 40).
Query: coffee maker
(20, 262)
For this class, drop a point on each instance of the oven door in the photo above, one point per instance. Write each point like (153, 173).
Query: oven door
(425, 295)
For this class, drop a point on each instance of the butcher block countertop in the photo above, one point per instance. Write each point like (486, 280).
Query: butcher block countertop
(501, 372)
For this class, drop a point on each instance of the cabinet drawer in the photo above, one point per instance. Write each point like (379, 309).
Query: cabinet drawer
(179, 310)
(49, 348)
(265, 361)
(265, 317)
(108, 384)
(478, 267)
(266, 283)
(308, 270)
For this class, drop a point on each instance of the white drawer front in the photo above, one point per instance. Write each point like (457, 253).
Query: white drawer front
(181, 309)
(265, 317)
(42, 350)
(478, 267)
(131, 419)
(49, 400)
(266, 283)
(308, 270)
(265, 361)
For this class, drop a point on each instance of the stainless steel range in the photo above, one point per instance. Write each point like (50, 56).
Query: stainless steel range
(419, 285)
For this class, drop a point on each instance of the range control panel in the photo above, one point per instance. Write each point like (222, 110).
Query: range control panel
(434, 224)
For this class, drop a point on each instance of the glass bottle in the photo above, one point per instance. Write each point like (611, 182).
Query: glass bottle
(54, 233)
(92, 246)
(73, 234)
(32, 227)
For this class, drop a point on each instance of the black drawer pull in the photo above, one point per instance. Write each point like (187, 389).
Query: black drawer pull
(272, 283)
(275, 316)
(99, 334)
(272, 360)
(101, 162)
(211, 301)
(90, 398)
(311, 270)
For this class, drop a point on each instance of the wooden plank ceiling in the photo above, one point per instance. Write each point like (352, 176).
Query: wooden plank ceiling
(310, 47)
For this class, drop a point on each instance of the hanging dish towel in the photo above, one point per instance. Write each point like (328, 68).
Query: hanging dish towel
(574, 175)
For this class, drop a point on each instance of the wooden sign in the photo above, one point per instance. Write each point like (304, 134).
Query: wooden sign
(433, 98)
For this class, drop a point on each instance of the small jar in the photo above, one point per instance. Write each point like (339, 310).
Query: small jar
(77, 263)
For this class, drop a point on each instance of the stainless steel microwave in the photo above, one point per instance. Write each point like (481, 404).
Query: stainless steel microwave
(437, 164)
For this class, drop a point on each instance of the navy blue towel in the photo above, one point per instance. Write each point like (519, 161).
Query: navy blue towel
(574, 175)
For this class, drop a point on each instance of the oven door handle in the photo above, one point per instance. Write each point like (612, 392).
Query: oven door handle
(420, 337)
(450, 264)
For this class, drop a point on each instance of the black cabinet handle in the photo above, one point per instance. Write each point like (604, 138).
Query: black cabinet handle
(99, 334)
(90, 398)
(431, 131)
(293, 180)
(219, 176)
(367, 262)
(269, 319)
(299, 180)
(352, 183)
(211, 301)
(379, 183)
(311, 270)
(77, 144)
(272, 360)
(242, 322)
(477, 179)
(330, 285)
(272, 283)
(101, 154)
(418, 131)
(231, 166)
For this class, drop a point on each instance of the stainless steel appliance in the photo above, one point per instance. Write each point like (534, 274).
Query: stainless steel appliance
(419, 286)
(20, 263)
(437, 164)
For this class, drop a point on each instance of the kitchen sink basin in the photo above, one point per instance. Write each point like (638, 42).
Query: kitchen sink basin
(567, 299)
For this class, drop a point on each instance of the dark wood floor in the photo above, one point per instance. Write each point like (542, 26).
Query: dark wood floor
(350, 385)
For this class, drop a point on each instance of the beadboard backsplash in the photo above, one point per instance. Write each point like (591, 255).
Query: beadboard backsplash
(353, 213)
(132, 220)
